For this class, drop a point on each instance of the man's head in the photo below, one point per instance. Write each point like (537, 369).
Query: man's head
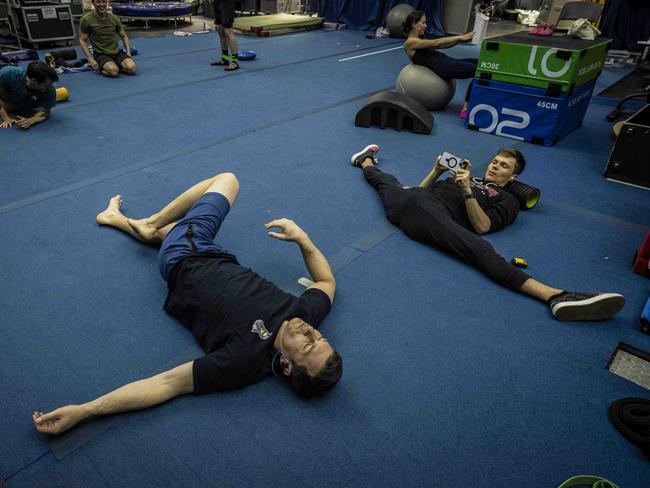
(40, 76)
(309, 361)
(505, 166)
(100, 6)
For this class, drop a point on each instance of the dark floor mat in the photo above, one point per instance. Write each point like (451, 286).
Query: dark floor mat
(627, 85)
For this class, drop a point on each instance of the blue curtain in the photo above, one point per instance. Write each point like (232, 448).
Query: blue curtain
(626, 21)
(370, 14)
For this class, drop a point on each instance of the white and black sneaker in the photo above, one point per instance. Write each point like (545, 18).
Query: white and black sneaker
(369, 151)
(572, 305)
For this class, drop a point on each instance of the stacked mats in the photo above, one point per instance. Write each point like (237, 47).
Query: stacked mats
(276, 24)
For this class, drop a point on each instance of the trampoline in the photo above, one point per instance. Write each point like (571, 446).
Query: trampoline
(147, 11)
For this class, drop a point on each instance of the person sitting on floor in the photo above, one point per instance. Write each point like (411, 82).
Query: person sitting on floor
(248, 327)
(425, 52)
(451, 215)
(103, 29)
(27, 92)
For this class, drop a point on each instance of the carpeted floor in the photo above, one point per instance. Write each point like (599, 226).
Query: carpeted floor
(449, 379)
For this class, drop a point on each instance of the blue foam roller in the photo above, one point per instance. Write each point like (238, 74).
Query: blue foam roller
(246, 55)
(134, 51)
(645, 315)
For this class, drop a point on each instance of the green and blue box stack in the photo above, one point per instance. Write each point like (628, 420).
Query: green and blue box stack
(534, 88)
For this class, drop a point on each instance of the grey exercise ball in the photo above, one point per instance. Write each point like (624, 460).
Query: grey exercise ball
(425, 87)
(396, 17)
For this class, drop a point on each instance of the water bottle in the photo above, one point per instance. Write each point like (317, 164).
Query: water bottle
(544, 13)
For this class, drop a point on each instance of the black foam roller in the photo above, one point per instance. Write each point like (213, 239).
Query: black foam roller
(527, 195)
(67, 54)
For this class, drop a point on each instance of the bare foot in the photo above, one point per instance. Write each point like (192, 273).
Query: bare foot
(112, 212)
(145, 230)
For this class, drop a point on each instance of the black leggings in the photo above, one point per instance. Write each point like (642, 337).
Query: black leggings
(427, 220)
(447, 67)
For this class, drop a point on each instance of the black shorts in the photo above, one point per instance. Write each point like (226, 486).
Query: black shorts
(224, 13)
(102, 59)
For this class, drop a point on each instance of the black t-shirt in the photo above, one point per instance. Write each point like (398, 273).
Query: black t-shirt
(235, 315)
(500, 206)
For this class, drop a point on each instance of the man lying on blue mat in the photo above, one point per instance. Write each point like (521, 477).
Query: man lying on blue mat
(247, 326)
(450, 215)
(27, 91)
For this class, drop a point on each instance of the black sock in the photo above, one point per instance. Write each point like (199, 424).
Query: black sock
(224, 54)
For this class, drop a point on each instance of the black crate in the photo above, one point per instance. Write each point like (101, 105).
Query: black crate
(629, 161)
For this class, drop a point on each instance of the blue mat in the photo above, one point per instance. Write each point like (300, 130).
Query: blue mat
(449, 379)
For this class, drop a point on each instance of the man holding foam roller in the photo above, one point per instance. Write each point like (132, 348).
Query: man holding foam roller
(224, 16)
(103, 30)
(26, 92)
(451, 215)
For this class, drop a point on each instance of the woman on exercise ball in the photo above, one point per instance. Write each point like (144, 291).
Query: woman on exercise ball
(424, 52)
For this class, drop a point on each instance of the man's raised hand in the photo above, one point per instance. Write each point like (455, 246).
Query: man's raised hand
(289, 230)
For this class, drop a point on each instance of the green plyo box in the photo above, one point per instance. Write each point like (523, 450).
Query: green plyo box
(556, 64)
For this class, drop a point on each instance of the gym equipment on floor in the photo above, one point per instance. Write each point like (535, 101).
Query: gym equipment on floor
(556, 64)
(587, 481)
(147, 11)
(246, 55)
(396, 17)
(645, 318)
(67, 54)
(629, 161)
(62, 94)
(632, 364)
(275, 24)
(526, 113)
(425, 86)
(527, 195)
(13, 57)
(630, 417)
(152, 9)
(396, 110)
(641, 262)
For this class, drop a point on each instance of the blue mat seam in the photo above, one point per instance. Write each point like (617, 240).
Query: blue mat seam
(147, 164)
(210, 78)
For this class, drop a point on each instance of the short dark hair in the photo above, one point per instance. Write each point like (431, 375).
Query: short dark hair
(39, 71)
(520, 161)
(307, 386)
(411, 19)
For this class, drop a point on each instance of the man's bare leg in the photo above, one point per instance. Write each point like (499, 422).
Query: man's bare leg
(539, 290)
(153, 229)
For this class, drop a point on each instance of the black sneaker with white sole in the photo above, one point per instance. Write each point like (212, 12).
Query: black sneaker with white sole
(370, 151)
(572, 305)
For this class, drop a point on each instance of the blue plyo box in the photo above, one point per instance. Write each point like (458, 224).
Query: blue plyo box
(526, 113)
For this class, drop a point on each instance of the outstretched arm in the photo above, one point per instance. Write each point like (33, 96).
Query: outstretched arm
(317, 265)
(439, 43)
(134, 396)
